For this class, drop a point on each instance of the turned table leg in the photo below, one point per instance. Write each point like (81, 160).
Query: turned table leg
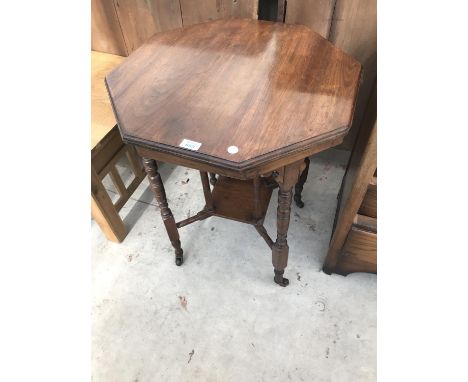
(157, 187)
(286, 179)
(300, 184)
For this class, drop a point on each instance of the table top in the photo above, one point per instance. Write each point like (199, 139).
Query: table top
(234, 91)
(102, 117)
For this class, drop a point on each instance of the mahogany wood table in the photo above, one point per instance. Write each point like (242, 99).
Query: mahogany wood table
(248, 100)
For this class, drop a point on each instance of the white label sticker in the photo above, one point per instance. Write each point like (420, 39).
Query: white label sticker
(190, 145)
(233, 150)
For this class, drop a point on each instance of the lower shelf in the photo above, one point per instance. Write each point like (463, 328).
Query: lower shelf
(235, 199)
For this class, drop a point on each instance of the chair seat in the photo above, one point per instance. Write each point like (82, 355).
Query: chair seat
(102, 116)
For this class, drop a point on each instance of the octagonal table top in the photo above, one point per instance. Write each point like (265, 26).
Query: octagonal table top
(234, 91)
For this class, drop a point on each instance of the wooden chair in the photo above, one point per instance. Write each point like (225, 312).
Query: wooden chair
(107, 149)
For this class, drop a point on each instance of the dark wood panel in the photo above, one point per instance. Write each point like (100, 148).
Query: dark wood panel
(257, 85)
(261, 166)
(140, 19)
(358, 175)
(106, 35)
(234, 199)
(354, 29)
(359, 253)
(194, 12)
(356, 159)
(369, 204)
(365, 223)
(316, 14)
(281, 13)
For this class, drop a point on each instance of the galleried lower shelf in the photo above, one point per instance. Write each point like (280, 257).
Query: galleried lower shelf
(244, 201)
(235, 199)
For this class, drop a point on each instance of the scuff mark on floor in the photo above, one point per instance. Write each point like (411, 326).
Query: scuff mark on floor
(191, 355)
(321, 304)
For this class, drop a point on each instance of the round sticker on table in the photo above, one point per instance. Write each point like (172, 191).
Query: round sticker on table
(233, 149)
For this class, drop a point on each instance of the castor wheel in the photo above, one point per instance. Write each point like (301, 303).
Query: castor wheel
(298, 200)
(179, 261)
(280, 280)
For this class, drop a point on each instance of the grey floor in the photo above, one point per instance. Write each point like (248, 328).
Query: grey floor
(220, 317)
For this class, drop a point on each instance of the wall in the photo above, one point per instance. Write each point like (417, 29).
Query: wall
(121, 26)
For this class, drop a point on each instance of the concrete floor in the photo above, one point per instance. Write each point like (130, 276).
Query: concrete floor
(220, 317)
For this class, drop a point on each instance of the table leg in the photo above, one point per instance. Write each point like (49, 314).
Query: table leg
(300, 184)
(157, 187)
(287, 178)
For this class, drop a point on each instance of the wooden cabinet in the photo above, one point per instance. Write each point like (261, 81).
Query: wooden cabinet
(353, 246)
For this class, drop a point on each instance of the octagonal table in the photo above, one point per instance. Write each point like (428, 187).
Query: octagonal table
(248, 100)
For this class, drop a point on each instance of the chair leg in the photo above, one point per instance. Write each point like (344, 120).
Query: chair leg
(104, 211)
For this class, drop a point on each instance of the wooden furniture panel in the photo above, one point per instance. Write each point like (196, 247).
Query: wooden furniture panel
(358, 152)
(359, 253)
(140, 19)
(104, 212)
(316, 14)
(354, 30)
(194, 12)
(235, 92)
(365, 223)
(104, 157)
(348, 239)
(369, 204)
(107, 148)
(102, 116)
(106, 35)
(281, 14)
(235, 199)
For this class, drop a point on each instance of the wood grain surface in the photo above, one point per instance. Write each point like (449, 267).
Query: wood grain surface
(234, 199)
(102, 117)
(195, 12)
(369, 203)
(106, 35)
(260, 86)
(140, 19)
(354, 30)
(316, 14)
(355, 184)
(359, 253)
